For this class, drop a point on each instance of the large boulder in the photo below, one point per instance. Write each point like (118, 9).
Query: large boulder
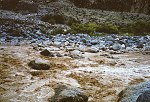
(39, 64)
(116, 47)
(144, 97)
(68, 94)
(136, 93)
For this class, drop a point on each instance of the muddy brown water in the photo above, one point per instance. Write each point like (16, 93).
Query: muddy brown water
(102, 78)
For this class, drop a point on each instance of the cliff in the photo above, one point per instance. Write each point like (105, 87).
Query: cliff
(135, 6)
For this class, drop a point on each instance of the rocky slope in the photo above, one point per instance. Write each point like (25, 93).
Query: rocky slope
(136, 6)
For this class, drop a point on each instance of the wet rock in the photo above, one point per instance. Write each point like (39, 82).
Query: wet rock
(116, 52)
(116, 47)
(69, 48)
(76, 54)
(146, 52)
(92, 49)
(144, 97)
(94, 42)
(140, 45)
(147, 46)
(81, 48)
(132, 94)
(58, 54)
(39, 64)
(57, 44)
(46, 52)
(68, 94)
(112, 63)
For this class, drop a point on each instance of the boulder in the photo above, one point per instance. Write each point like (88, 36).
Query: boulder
(58, 54)
(135, 93)
(92, 49)
(75, 54)
(82, 48)
(39, 64)
(144, 97)
(116, 47)
(46, 52)
(68, 94)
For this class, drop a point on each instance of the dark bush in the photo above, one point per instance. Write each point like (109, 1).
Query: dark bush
(53, 19)
(30, 7)
(9, 4)
(108, 28)
(88, 28)
(57, 31)
(137, 28)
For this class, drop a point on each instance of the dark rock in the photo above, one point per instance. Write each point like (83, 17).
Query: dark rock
(39, 64)
(140, 45)
(146, 52)
(131, 94)
(68, 94)
(59, 55)
(144, 97)
(47, 53)
(92, 49)
(94, 42)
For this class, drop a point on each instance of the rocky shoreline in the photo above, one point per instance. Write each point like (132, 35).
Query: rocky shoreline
(37, 66)
(81, 42)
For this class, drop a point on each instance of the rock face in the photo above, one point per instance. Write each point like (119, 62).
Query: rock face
(137, 93)
(9, 4)
(66, 94)
(39, 64)
(18, 5)
(138, 6)
(144, 97)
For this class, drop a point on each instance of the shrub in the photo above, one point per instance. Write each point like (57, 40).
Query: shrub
(58, 31)
(72, 21)
(108, 28)
(53, 19)
(137, 28)
(88, 28)
(141, 27)
(91, 28)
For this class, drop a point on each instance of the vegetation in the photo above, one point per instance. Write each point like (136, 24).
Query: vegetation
(138, 28)
(89, 28)
(108, 28)
(53, 19)
(58, 31)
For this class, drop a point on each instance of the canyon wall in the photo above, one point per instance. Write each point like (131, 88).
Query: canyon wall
(136, 6)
